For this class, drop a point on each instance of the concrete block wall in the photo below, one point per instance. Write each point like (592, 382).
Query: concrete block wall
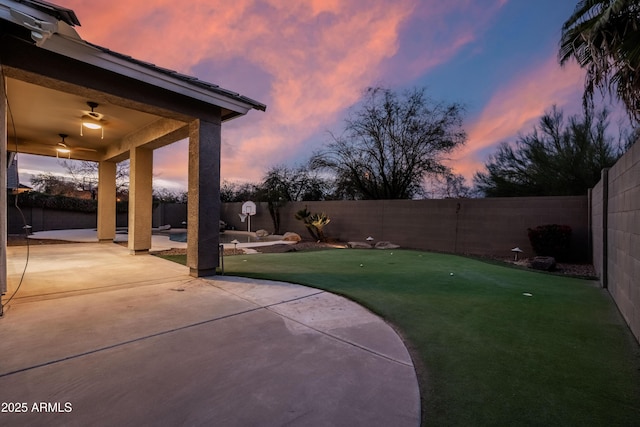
(173, 214)
(472, 226)
(620, 266)
(50, 219)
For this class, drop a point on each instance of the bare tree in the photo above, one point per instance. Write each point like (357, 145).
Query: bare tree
(85, 175)
(391, 143)
(48, 183)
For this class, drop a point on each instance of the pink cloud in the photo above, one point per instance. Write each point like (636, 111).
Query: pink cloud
(437, 31)
(516, 108)
(319, 55)
(315, 57)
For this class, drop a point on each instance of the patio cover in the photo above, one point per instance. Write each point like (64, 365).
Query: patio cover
(49, 74)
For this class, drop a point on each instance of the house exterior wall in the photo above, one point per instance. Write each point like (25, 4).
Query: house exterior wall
(491, 226)
(617, 197)
(3, 191)
(12, 172)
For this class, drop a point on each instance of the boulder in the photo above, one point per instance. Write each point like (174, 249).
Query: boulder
(545, 263)
(386, 245)
(262, 233)
(358, 245)
(291, 237)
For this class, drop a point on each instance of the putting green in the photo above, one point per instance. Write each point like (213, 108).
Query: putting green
(493, 345)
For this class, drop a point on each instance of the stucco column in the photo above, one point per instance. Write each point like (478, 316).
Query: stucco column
(203, 215)
(106, 201)
(140, 200)
(3, 182)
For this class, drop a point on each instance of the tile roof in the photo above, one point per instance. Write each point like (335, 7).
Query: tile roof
(184, 77)
(60, 13)
(69, 17)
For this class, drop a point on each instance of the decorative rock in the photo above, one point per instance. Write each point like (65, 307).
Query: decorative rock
(291, 237)
(358, 245)
(545, 263)
(386, 245)
(262, 233)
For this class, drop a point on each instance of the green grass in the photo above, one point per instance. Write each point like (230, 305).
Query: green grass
(485, 353)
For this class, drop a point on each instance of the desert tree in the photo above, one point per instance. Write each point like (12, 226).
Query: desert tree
(238, 192)
(390, 143)
(282, 184)
(558, 158)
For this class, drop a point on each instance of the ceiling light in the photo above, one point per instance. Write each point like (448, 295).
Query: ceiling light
(91, 119)
(90, 123)
(62, 147)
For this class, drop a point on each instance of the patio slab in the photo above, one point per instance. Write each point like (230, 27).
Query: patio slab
(105, 338)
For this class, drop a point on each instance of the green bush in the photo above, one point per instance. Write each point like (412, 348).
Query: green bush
(551, 240)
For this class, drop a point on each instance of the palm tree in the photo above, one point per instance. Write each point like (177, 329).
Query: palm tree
(603, 36)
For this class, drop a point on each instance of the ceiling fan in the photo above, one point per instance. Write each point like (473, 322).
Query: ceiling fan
(64, 148)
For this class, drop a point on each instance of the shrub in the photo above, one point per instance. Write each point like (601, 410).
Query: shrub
(314, 222)
(551, 240)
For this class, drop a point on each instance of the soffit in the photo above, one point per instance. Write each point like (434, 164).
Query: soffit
(39, 114)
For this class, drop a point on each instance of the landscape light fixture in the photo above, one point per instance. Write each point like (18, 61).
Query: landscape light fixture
(91, 119)
(516, 251)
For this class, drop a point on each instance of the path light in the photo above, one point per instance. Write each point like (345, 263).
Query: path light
(235, 245)
(369, 239)
(516, 251)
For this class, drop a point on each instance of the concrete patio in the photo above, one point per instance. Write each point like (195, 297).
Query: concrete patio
(105, 338)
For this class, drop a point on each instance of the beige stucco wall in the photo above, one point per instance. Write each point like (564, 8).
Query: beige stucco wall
(490, 226)
(3, 182)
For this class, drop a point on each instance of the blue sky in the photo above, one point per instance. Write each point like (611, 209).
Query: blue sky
(310, 61)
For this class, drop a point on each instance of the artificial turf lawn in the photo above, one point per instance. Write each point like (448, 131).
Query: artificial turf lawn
(485, 353)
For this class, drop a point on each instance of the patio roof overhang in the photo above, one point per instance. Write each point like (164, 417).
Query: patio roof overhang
(51, 74)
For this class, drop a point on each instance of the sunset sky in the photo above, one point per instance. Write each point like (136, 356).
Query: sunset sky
(309, 61)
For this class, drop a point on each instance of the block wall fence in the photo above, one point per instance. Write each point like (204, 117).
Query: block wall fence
(615, 225)
(605, 224)
(491, 226)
